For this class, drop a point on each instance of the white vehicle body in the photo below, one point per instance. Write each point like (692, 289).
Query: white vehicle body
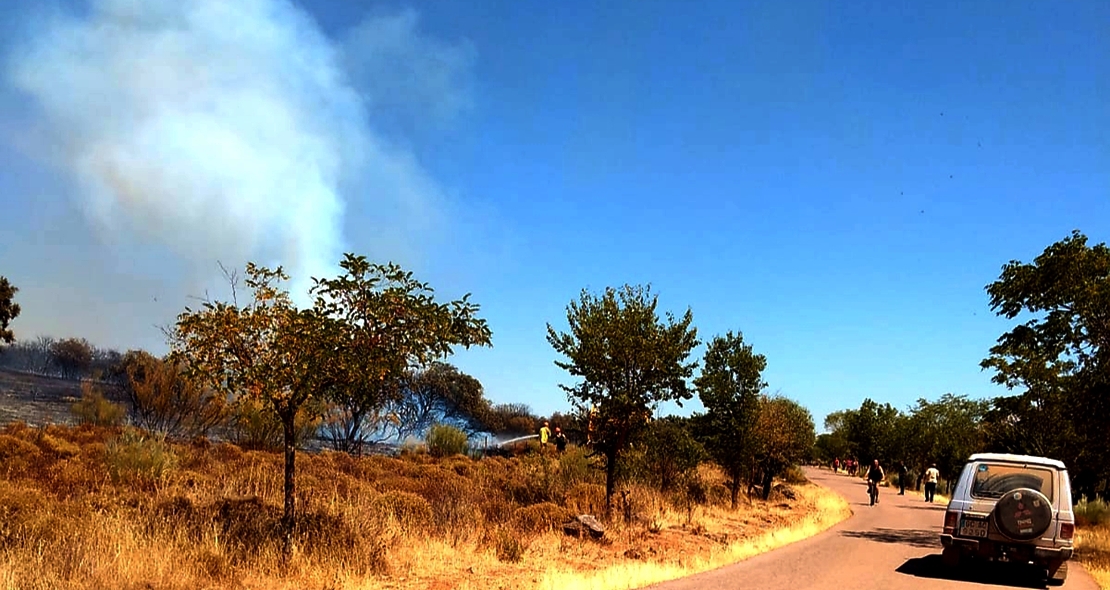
(1013, 508)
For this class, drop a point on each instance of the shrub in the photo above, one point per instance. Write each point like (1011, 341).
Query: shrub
(445, 440)
(670, 454)
(794, 476)
(247, 526)
(540, 517)
(132, 455)
(574, 468)
(57, 447)
(510, 548)
(255, 425)
(93, 408)
(586, 498)
(165, 400)
(17, 456)
(1092, 513)
(412, 512)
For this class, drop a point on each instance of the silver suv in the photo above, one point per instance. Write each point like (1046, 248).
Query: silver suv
(1013, 508)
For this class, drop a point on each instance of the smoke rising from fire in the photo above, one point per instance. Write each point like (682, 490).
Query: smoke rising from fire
(221, 130)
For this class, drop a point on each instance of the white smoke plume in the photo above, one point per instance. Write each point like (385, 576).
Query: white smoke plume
(224, 130)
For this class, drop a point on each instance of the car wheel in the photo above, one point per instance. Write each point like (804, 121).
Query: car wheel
(1022, 514)
(1057, 578)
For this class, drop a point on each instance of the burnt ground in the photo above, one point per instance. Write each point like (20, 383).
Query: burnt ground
(37, 400)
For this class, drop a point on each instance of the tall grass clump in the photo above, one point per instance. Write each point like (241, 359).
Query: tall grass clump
(137, 456)
(445, 440)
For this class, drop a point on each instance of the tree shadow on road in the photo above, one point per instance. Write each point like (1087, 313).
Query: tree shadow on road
(998, 574)
(912, 537)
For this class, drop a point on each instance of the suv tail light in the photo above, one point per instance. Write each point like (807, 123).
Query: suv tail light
(950, 519)
(1067, 530)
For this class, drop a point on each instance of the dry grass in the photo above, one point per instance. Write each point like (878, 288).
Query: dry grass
(1093, 539)
(1093, 551)
(91, 508)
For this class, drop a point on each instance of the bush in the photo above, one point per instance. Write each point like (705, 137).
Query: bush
(540, 517)
(255, 425)
(509, 547)
(574, 468)
(1092, 513)
(132, 455)
(411, 512)
(17, 455)
(165, 400)
(93, 408)
(586, 498)
(445, 440)
(58, 447)
(794, 475)
(665, 454)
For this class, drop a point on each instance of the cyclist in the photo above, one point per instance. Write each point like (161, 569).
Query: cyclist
(874, 476)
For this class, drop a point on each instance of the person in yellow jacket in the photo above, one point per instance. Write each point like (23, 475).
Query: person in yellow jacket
(545, 435)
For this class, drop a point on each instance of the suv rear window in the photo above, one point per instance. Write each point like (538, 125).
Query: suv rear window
(993, 480)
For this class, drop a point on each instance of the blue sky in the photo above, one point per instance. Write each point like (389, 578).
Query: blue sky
(838, 183)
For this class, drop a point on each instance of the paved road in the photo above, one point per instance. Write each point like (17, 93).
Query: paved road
(893, 545)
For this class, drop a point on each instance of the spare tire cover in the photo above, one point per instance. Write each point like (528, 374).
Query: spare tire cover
(1022, 514)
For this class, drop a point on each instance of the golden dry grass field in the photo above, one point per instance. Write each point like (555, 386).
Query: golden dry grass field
(92, 508)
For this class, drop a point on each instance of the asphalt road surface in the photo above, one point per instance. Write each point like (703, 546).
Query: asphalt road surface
(893, 545)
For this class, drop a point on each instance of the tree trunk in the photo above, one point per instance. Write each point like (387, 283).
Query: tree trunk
(610, 481)
(289, 515)
(354, 432)
(767, 480)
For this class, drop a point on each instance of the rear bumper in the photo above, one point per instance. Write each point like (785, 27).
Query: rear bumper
(989, 548)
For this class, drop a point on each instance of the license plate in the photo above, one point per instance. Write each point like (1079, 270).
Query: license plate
(973, 528)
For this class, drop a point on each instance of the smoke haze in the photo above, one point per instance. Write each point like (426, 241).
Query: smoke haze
(202, 131)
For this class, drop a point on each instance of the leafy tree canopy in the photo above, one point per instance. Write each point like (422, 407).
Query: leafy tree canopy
(9, 310)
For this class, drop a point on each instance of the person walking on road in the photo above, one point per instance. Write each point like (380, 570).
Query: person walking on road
(902, 478)
(932, 476)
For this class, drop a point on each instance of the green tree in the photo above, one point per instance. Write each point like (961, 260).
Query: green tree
(628, 360)
(871, 432)
(1059, 356)
(9, 310)
(830, 446)
(72, 356)
(729, 386)
(946, 432)
(391, 325)
(785, 434)
(265, 349)
(670, 453)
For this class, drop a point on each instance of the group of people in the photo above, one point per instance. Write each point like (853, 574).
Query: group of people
(559, 439)
(850, 466)
(875, 475)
